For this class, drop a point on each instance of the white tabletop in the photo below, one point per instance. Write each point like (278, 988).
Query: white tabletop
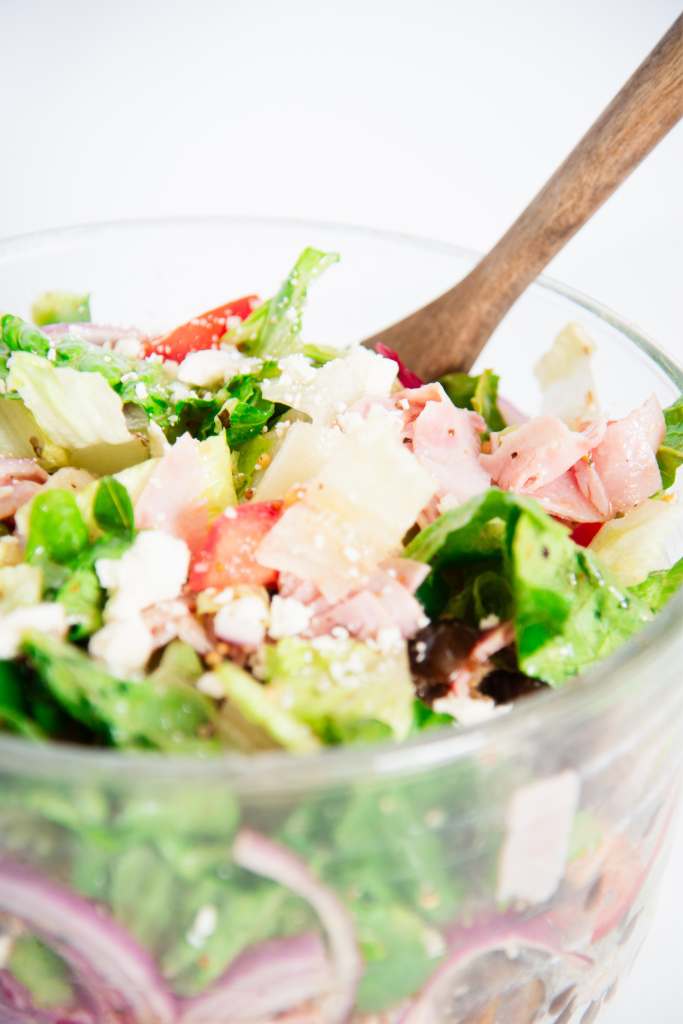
(440, 117)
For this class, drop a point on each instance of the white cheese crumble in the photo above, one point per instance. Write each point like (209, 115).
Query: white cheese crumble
(243, 620)
(153, 569)
(130, 347)
(211, 685)
(124, 646)
(288, 617)
(213, 366)
(538, 827)
(326, 393)
(44, 618)
(203, 925)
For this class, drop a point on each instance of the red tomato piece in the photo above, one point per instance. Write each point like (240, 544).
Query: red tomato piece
(227, 556)
(203, 331)
(583, 533)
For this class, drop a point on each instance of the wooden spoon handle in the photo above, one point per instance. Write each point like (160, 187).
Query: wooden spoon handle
(450, 332)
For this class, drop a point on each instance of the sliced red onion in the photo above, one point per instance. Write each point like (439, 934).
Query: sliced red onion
(506, 933)
(265, 980)
(262, 856)
(406, 377)
(96, 334)
(75, 925)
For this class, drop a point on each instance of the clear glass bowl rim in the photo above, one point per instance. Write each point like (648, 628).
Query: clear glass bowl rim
(281, 773)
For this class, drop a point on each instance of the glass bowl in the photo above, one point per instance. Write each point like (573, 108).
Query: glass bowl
(496, 874)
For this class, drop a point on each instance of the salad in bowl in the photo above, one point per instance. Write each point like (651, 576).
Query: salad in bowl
(222, 538)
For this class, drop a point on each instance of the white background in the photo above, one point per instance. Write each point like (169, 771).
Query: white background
(440, 118)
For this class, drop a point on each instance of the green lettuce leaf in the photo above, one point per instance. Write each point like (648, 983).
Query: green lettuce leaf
(342, 688)
(164, 715)
(479, 393)
(254, 720)
(74, 409)
(660, 586)
(567, 611)
(61, 308)
(22, 438)
(113, 509)
(670, 454)
(41, 971)
(57, 530)
(274, 329)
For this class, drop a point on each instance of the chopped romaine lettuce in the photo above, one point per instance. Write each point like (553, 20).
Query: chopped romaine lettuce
(274, 329)
(568, 612)
(638, 543)
(168, 715)
(477, 393)
(217, 463)
(113, 509)
(76, 410)
(340, 687)
(41, 971)
(61, 308)
(19, 585)
(660, 586)
(22, 438)
(254, 719)
(670, 454)
(57, 530)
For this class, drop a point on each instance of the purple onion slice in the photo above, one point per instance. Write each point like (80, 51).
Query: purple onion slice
(88, 938)
(96, 334)
(264, 980)
(262, 856)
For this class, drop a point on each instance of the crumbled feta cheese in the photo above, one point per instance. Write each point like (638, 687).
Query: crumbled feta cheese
(538, 827)
(44, 618)
(153, 569)
(130, 347)
(325, 394)
(469, 710)
(124, 645)
(288, 617)
(141, 391)
(203, 925)
(6, 944)
(211, 685)
(243, 620)
(213, 366)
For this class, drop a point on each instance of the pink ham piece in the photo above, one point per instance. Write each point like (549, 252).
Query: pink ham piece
(386, 602)
(626, 459)
(446, 442)
(538, 452)
(170, 500)
(20, 479)
(563, 498)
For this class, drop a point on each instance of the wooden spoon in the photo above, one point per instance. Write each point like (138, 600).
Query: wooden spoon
(450, 332)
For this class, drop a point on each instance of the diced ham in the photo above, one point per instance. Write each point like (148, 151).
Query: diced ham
(446, 441)
(20, 480)
(563, 498)
(538, 452)
(170, 500)
(626, 459)
(385, 602)
(591, 485)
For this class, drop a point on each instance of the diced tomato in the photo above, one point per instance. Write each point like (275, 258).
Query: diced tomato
(583, 533)
(226, 557)
(203, 331)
